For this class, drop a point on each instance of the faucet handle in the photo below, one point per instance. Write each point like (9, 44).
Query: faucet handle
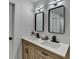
(32, 33)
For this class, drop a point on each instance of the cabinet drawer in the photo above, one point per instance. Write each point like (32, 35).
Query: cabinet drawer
(46, 53)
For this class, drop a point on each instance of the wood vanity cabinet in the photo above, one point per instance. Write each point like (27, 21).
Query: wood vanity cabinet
(31, 51)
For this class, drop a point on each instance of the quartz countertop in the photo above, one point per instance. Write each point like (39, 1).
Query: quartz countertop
(61, 51)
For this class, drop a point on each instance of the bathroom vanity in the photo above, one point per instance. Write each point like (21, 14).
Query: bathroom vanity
(34, 48)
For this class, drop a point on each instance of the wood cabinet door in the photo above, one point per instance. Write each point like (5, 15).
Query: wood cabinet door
(25, 51)
(31, 52)
(28, 51)
(26, 56)
(42, 55)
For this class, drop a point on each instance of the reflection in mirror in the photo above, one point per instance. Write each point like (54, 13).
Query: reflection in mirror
(39, 22)
(56, 20)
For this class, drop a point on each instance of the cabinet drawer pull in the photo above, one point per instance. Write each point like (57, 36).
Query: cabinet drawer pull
(26, 43)
(26, 50)
(44, 53)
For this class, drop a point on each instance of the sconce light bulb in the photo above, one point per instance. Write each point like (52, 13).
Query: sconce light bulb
(55, 4)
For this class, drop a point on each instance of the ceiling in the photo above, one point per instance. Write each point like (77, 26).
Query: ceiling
(33, 1)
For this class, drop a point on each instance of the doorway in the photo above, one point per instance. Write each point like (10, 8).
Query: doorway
(11, 28)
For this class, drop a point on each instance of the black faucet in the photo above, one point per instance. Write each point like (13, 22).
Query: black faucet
(37, 35)
(54, 39)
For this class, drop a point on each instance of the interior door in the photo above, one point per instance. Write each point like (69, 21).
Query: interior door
(11, 28)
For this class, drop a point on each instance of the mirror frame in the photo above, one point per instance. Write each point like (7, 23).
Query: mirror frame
(42, 21)
(49, 19)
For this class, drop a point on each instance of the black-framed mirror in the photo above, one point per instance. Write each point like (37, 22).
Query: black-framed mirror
(39, 22)
(56, 20)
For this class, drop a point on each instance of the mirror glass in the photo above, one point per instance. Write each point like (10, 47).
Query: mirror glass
(39, 22)
(56, 20)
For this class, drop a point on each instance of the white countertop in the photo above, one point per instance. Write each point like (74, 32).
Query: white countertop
(61, 51)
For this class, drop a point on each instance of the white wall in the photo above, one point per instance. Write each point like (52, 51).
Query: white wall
(65, 38)
(23, 24)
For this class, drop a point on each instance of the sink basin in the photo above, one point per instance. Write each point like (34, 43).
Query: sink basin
(51, 44)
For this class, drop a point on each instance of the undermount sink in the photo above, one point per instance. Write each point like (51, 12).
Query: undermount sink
(45, 43)
(51, 44)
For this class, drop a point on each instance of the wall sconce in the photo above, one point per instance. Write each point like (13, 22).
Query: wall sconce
(55, 2)
(39, 9)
